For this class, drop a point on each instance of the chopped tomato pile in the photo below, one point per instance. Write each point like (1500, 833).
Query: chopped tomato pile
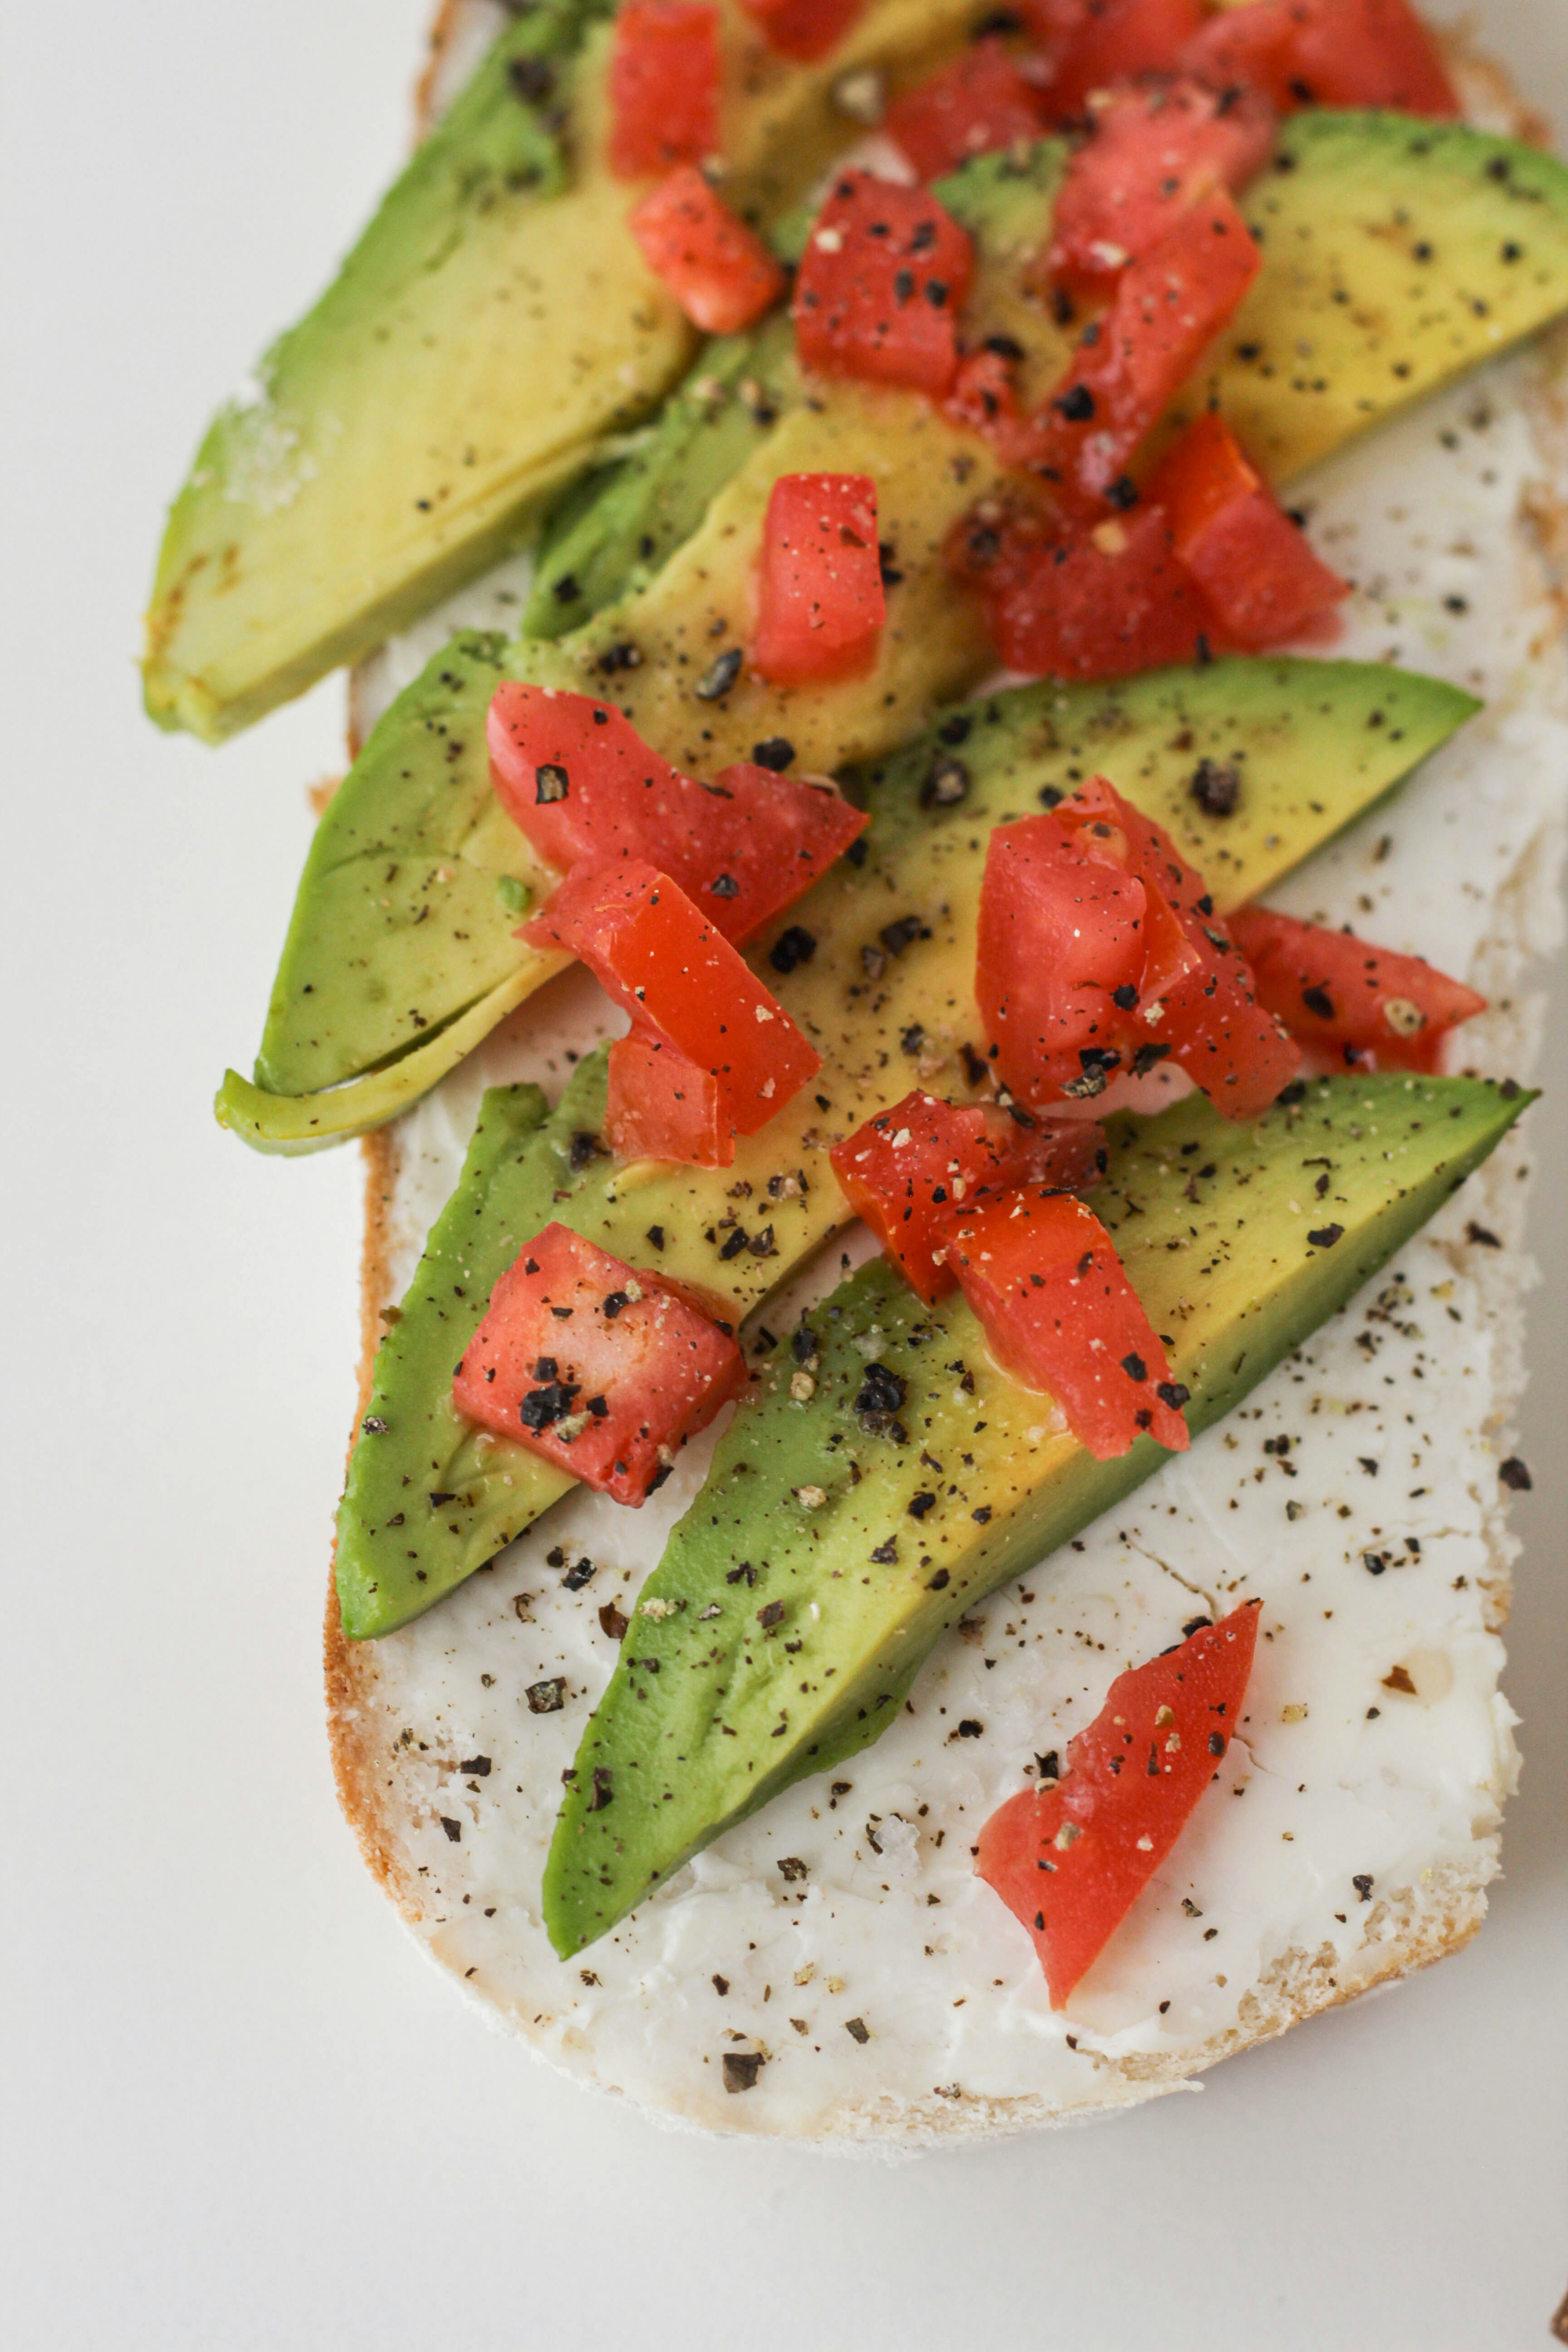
(1155, 152)
(578, 779)
(880, 286)
(690, 996)
(717, 269)
(1042, 1275)
(908, 1171)
(1070, 1858)
(1100, 951)
(1325, 53)
(1258, 577)
(596, 1366)
(820, 599)
(663, 86)
(981, 101)
(1102, 41)
(1361, 1004)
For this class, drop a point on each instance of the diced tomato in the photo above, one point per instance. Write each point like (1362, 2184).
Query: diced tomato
(979, 102)
(1363, 1005)
(596, 1366)
(803, 29)
(659, 1105)
(1169, 305)
(1326, 53)
(578, 781)
(906, 1171)
(880, 284)
(1059, 1314)
(1154, 152)
(717, 269)
(820, 599)
(682, 984)
(1108, 604)
(1257, 570)
(663, 86)
(1070, 1858)
(1114, 41)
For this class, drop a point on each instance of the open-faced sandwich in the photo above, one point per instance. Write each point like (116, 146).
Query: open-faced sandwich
(960, 740)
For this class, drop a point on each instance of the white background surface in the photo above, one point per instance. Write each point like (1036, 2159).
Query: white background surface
(238, 2110)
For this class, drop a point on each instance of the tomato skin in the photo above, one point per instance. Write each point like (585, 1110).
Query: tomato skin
(979, 102)
(663, 86)
(907, 1169)
(682, 984)
(769, 835)
(661, 1106)
(1114, 40)
(719, 270)
(1153, 153)
(1360, 1004)
(568, 1323)
(1169, 305)
(1070, 1860)
(880, 284)
(820, 599)
(1256, 570)
(1060, 1316)
(1105, 604)
(803, 29)
(1326, 53)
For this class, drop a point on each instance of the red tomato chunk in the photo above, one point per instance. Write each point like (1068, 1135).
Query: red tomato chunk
(717, 269)
(663, 86)
(803, 29)
(576, 776)
(1153, 154)
(595, 1366)
(1258, 577)
(820, 599)
(907, 1171)
(682, 984)
(1060, 1316)
(1070, 1858)
(1100, 951)
(1326, 53)
(1112, 41)
(1363, 1005)
(880, 284)
(979, 102)
(661, 1106)
(1108, 604)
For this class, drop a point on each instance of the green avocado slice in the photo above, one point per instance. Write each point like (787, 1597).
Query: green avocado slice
(780, 1633)
(492, 329)
(886, 997)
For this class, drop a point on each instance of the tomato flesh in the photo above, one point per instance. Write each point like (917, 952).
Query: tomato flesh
(820, 599)
(596, 1366)
(1362, 1004)
(880, 284)
(803, 29)
(906, 1171)
(683, 984)
(661, 1106)
(1245, 49)
(1106, 604)
(663, 86)
(1153, 153)
(979, 102)
(717, 269)
(576, 776)
(1326, 53)
(1256, 571)
(1112, 41)
(1059, 1315)
(1070, 1858)
(1170, 303)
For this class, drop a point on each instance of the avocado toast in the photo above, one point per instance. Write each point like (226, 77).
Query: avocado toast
(834, 1957)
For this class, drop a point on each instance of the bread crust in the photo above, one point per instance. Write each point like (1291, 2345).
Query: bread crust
(1410, 1930)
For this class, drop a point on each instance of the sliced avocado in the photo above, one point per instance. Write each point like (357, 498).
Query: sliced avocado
(887, 996)
(493, 325)
(1395, 254)
(802, 1592)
